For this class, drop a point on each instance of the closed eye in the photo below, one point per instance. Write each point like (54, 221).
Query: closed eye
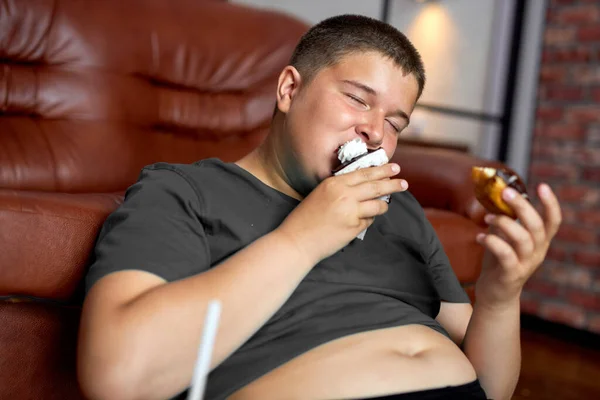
(357, 99)
(394, 126)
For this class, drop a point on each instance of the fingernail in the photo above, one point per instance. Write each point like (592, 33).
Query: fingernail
(480, 237)
(404, 184)
(509, 193)
(395, 168)
(544, 190)
(489, 218)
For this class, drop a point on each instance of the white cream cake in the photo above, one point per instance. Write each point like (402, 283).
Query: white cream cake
(357, 149)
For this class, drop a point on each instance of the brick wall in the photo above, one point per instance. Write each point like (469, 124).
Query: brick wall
(566, 153)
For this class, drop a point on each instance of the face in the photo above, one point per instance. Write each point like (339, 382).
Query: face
(364, 95)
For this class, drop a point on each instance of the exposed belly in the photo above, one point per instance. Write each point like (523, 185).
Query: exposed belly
(374, 363)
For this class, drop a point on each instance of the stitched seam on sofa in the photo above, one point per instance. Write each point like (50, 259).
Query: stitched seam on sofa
(47, 215)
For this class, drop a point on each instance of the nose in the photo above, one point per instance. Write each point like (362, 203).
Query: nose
(371, 133)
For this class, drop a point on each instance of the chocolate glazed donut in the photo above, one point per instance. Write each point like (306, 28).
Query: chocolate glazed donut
(489, 184)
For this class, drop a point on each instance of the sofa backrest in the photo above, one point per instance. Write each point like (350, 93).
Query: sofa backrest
(92, 91)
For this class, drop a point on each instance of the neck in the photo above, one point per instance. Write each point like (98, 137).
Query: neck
(266, 166)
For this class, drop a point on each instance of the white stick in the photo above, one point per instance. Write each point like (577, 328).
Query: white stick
(202, 368)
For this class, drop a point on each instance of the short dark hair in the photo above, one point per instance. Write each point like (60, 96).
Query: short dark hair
(331, 39)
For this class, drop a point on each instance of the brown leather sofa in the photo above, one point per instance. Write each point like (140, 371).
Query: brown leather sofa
(91, 91)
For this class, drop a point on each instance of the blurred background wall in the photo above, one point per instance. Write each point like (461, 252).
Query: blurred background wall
(566, 153)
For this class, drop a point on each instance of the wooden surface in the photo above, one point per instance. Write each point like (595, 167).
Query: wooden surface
(558, 363)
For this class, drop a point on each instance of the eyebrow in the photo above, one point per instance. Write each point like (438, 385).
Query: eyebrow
(373, 92)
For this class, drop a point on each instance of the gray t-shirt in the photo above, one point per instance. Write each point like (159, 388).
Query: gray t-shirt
(180, 220)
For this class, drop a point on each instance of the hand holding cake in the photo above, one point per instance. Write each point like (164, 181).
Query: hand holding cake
(344, 205)
(354, 155)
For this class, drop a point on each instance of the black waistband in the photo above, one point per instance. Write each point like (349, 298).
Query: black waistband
(469, 391)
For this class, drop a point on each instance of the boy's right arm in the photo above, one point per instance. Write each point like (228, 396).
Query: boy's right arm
(139, 335)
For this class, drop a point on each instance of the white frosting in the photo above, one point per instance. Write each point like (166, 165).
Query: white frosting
(374, 159)
(351, 149)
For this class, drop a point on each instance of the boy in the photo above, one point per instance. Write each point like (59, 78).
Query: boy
(308, 312)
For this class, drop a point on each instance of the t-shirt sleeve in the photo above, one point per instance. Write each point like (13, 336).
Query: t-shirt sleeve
(157, 229)
(445, 280)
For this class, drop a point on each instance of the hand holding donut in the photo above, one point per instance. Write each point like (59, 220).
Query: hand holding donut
(519, 236)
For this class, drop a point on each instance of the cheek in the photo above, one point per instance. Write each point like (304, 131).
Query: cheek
(342, 115)
(389, 144)
(330, 112)
(347, 119)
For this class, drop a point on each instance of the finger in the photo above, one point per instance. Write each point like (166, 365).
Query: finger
(372, 208)
(527, 215)
(500, 249)
(370, 174)
(374, 189)
(365, 223)
(511, 231)
(552, 211)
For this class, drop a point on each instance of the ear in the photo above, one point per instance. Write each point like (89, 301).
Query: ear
(288, 87)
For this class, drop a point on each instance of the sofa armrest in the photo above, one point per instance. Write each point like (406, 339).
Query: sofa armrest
(441, 178)
(457, 235)
(47, 239)
(38, 351)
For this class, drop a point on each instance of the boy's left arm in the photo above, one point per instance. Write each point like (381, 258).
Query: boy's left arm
(492, 329)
